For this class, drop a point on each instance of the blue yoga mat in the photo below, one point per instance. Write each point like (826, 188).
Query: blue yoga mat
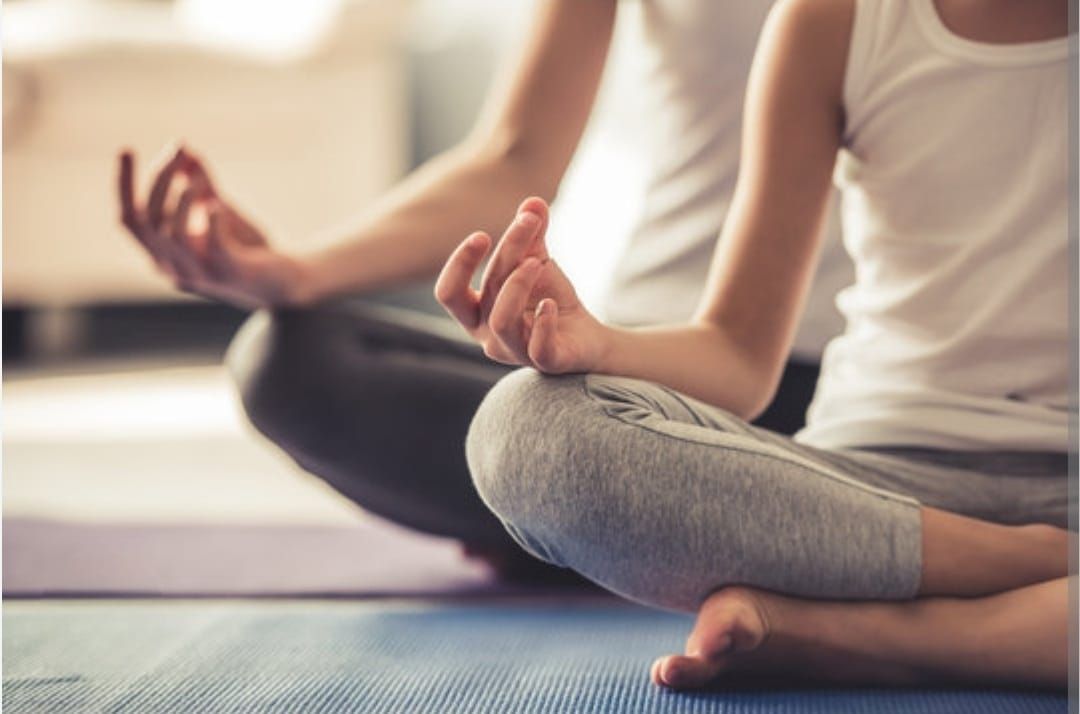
(363, 657)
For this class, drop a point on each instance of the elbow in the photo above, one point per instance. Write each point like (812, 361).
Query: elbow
(754, 397)
(753, 375)
(756, 405)
(762, 387)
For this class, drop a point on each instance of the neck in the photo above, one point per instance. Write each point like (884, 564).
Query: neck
(1005, 21)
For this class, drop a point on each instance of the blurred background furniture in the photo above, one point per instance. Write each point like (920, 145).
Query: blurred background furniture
(308, 125)
(302, 107)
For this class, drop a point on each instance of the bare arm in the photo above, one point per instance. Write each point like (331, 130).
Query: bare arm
(733, 351)
(521, 145)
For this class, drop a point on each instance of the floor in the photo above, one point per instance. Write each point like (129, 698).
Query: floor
(398, 658)
(148, 442)
(131, 478)
(152, 442)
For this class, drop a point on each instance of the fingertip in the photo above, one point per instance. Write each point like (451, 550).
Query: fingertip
(534, 205)
(478, 240)
(189, 160)
(473, 250)
(528, 219)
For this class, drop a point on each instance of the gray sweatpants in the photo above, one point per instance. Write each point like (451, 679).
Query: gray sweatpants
(662, 498)
(376, 401)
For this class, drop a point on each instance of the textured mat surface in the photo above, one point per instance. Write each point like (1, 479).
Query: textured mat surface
(355, 657)
(373, 558)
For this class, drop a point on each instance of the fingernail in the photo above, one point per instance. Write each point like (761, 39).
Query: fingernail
(528, 219)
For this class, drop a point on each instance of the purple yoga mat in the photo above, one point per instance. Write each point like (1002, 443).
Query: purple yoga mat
(373, 559)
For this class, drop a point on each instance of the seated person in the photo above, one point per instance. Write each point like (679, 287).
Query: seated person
(377, 403)
(914, 531)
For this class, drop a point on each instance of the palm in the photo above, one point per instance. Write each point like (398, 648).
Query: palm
(247, 269)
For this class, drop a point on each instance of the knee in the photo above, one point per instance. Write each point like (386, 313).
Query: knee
(501, 446)
(522, 454)
(273, 364)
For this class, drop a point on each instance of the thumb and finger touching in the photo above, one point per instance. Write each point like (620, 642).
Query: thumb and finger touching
(508, 321)
(218, 254)
(543, 342)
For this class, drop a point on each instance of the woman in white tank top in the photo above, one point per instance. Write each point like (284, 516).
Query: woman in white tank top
(949, 119)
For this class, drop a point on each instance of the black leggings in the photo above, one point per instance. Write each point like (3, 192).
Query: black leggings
(376, 401)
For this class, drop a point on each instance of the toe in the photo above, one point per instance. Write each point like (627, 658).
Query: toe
(681, 672)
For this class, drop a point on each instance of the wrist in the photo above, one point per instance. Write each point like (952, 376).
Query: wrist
(607, 349)
(302, 285)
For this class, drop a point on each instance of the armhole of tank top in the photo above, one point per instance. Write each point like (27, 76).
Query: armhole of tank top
(860, 52)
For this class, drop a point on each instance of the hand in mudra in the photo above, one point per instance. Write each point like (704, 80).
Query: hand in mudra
(200, 241)
(526, 311)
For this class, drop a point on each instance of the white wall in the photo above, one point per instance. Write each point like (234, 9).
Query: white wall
(467, 41)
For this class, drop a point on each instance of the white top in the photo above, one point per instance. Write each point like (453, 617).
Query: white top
(955, 204)
(698, 55)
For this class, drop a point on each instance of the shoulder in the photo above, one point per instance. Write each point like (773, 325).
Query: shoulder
(813, 36)
(813, 17)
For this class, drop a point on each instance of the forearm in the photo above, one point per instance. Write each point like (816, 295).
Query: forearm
(699, 360)
(733, 353)
(409, 233)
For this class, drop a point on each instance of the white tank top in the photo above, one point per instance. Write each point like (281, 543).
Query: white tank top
(955, 203)
(698, 58)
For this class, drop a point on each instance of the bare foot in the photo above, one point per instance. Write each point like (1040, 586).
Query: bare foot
(1015, 638)
(732, 624)
(743, 635)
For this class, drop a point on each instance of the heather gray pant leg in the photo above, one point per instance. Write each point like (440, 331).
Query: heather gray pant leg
(376, 401)
(663, 499)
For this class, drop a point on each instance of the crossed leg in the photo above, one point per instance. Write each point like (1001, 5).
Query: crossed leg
(840, 574)
(1017, 637)
(992, 608)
